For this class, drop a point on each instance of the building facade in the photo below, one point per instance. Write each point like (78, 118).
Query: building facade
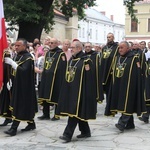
(64, 28)
(140, 30)
(96, 26)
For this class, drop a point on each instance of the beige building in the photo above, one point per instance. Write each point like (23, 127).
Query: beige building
(139, 31)
(64, 28)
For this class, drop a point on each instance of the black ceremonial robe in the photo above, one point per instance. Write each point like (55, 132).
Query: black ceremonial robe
(147, 83)
(52, 76)
(94, 56)
(108, 54)
(78, 94)
(24, 102)
(5, 94)
(127, 94)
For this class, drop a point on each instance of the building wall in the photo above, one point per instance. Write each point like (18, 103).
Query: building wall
(95, 31)
(63, 29)
(143, 13)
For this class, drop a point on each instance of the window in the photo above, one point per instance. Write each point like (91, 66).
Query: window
(148, 24)
(80, 32)
(83, 32)
(90, 33)
(135, 11)
(96, 35)
(134, 26)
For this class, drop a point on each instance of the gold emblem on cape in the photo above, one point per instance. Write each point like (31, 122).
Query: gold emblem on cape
(48, 63)
(70, 74)
(63, 58)
(13, 72)
(87, 67)
(120, 70)
(106, 53)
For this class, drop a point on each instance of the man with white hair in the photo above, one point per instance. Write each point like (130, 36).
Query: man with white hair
(52, 78)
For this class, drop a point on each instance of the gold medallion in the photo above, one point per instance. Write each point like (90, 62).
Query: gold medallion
(106, 53)
(120, 70)
(70, 74)
(48, 63)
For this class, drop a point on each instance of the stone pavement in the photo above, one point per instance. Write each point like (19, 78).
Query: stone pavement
(105, 136)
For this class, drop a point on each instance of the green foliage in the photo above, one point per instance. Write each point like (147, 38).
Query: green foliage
(79, 5)
(17, 11)
(130, 5)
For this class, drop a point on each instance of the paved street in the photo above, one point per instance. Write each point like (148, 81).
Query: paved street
(105, 136)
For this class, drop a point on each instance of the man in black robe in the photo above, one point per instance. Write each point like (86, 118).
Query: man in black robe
(145, 116)
(23, 102)
(109, 51)
(127, 94)
(78, 94)
(52, 77)
(5, 94)
(136, 49)
(94, 56)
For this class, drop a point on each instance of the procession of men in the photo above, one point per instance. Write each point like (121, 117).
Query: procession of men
(75, 77)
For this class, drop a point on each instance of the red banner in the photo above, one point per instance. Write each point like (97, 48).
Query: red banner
(3, 41)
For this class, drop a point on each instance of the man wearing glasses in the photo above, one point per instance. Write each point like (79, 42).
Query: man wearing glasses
(52, 77)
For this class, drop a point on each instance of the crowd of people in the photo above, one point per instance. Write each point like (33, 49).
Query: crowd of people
(72, 77)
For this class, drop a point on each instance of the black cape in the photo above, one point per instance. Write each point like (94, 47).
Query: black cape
(77, 96)
(147, 83)
(52, 76)
(127, 94)
(24, 101)
(5, 94)
(94, 56)
(108, 54)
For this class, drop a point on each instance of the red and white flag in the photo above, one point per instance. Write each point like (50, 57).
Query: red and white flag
(3, 41)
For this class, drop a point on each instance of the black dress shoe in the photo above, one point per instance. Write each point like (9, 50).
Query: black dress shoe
(29, 127)
(43, 117)
(66, 139)
(144, 119)
(84, 135)
(11, 132)
(55, 118)
(6, 122)
(121, 128)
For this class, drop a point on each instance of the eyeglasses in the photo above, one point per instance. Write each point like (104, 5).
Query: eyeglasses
(87, 46)
(73, 47)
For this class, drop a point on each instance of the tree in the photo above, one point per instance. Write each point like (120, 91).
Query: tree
(130, 6)
(32, 16)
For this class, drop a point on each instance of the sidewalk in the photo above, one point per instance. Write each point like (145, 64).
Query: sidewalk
(105, 136)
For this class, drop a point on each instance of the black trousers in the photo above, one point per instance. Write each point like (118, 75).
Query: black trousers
(146, 115)
(71, 125)
(46, 109)
(126, 120)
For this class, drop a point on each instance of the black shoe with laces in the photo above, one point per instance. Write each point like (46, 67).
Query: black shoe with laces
(118, 126)
(65, 138)
(55, 118)
(43, 117)
(144, 119)
(30, 126)
(6, 122)
(84, 135)
(11, 132)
